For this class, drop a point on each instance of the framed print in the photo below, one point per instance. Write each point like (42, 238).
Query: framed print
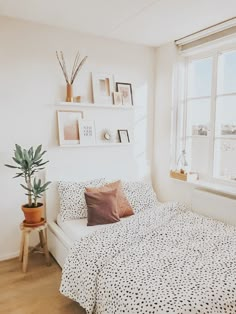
(123, 136)
(68, 129)
(126, 90)
(103, 87)
(117, 98)
(87, 132)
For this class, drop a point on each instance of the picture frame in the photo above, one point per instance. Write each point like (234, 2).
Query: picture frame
(103, 87)
(126, 90)
(124, 136)
(87, 132)
(68, 129)
(117, 98)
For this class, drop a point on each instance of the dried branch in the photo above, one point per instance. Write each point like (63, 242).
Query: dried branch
(78, 68)
(75, 65)
(63, 70)
(64, 66)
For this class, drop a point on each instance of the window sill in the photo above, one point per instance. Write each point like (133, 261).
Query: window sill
(215, 187)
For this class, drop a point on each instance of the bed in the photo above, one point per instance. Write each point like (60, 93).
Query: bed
(163, 259)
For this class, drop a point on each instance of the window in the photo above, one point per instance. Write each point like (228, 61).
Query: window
(206, 128)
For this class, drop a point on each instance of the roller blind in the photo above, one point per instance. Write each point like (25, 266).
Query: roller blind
(225, 29)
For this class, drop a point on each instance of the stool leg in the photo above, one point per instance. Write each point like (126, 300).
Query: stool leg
(26, 251)
(45, 247)
(22, 246)
(41, 238)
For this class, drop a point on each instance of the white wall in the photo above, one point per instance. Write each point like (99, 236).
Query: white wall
(31, 83)
(166, 187)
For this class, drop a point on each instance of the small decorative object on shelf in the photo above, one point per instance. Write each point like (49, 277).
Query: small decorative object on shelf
(182, 162)
(75, 70)
(28, 163)
(123, 136)
(178, 175)
(117, 98)
(193, 176)
(181, 172)
(126, 90)
(106, 135)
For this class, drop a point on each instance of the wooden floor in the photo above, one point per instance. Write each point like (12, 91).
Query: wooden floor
(34, 292)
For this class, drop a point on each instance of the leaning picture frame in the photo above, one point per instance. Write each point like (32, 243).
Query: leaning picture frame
(117, 97)
(87, 132)
(68, 129)
(103, 88)
(124, 136)
(126, 90)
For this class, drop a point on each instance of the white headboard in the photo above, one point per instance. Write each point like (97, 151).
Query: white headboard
(85, 163)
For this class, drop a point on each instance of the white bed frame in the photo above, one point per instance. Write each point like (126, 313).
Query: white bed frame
(67, 169)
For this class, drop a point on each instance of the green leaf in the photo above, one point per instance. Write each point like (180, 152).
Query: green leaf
(19, 150)
(26, 188)
(26, 156)
(31, 152)
(10, 166)
(18, 175)
(16, 160)
(17, 156)
(37, 151)
(43, 163)
(46, 185)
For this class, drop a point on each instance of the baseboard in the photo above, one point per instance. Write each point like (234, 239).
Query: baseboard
(9, 256)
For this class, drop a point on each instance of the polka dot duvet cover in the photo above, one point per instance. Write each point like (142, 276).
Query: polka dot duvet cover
(164, 259)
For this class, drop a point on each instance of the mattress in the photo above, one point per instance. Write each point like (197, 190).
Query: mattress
(77, 228)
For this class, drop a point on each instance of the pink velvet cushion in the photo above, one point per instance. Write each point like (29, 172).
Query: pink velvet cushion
(102, 207)
(124, 207)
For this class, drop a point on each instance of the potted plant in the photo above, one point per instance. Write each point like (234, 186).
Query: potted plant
(28, 163)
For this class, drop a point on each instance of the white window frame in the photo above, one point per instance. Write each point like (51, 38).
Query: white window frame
(179, 130)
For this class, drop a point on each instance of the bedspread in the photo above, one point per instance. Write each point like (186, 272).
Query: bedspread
(165, 259)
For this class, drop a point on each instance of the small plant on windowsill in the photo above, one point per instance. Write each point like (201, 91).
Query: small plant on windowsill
(28, 164)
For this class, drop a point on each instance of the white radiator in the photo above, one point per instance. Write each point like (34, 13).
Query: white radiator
(215, 205)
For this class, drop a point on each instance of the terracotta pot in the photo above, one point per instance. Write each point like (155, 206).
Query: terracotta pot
(32, 214)
(69, 93)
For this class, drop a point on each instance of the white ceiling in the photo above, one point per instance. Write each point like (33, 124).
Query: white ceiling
(148, 22)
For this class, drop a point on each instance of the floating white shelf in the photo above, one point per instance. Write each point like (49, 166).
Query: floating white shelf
(98, 144)
(94, 106)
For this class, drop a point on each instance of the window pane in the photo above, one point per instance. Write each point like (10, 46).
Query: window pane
(224, 159)
(227, 73)
(225, 143)
(226, 116)
(197, 149)
(199, 77)
(198, 117)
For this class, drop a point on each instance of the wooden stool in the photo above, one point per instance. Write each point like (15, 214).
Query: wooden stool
(24, 246)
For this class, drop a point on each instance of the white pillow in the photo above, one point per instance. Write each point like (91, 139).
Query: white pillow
(72, 200)
(140, 195)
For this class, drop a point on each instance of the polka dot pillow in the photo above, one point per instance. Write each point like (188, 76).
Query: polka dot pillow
(72, 199)
(140, 195)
